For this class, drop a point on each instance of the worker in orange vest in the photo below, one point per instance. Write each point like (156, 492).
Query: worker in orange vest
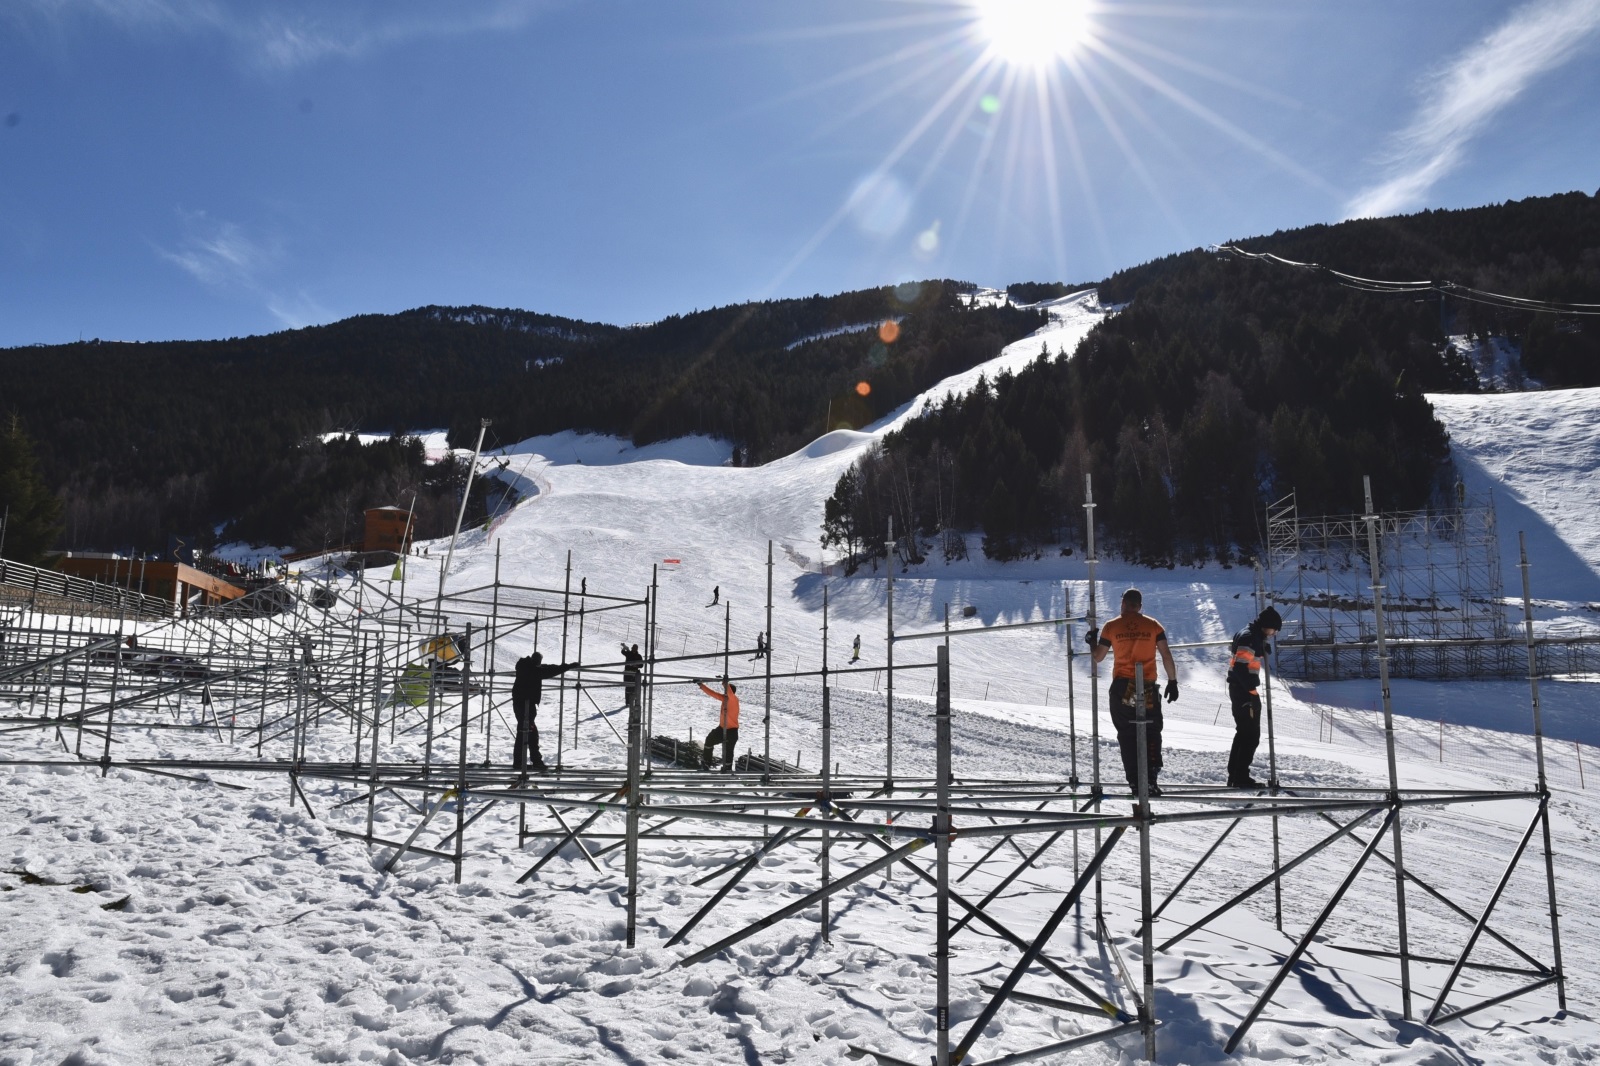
(1134, 639)
(727, 731)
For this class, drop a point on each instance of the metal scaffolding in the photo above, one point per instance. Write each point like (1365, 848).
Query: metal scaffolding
(412, 694)
(1446, 612)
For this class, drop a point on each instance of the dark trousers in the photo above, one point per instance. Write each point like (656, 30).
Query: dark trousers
(525, 749)
(727, 738)
(631, 695)
(1124, 715)
(1246, 733)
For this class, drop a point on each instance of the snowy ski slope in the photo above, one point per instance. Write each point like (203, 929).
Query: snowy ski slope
(254, 935)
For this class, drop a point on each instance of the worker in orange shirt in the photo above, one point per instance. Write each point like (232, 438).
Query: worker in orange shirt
(1134, 638)
(727, 731)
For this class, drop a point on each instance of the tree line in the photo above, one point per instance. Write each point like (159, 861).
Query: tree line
(1225, 384)
(223, 438)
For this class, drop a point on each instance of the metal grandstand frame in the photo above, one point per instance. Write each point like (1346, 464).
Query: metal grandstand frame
(414, 687)
(1442, 596)
(1444, 599)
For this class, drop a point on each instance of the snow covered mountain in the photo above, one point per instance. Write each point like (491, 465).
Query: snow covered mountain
(253, 934)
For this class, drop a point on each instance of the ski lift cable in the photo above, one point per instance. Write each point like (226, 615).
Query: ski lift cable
(1447, 288)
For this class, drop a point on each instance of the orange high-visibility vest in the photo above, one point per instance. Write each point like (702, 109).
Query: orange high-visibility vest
(729, 719)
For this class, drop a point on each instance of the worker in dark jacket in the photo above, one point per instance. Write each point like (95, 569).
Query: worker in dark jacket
(526, 691)
(632, 675)
(727, 731)
(1249, 652)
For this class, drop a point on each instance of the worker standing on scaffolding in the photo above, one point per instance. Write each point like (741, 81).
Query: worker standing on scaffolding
(1134, 638)
(1250, 650)
(526, 691)
(727, 731)
(632, 675)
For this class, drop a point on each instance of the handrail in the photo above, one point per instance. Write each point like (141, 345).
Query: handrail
(35, 580)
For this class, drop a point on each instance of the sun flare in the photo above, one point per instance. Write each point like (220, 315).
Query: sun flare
(1032, 33)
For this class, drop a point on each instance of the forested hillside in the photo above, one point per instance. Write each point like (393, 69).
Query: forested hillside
(1226, 383)
(143, 440)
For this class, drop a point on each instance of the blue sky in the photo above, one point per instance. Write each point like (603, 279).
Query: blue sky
(202, 168)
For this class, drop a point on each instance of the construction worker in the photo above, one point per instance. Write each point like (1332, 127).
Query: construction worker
(632, 675)
(1249, 656)
(1134, 638)
(727, 731)
(526, 691)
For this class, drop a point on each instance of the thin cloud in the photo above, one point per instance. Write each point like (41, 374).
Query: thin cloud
(297, 310)
(224, 258)
(219, 254)
(1462, 98)
(290, 33)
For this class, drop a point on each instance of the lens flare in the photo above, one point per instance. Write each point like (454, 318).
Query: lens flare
(1033, 33)
(889, 332)
(862, 388)
(879, 204)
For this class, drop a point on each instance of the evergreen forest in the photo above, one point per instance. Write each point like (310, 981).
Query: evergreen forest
(1224, 383)
(1221, 383)
(223, 440)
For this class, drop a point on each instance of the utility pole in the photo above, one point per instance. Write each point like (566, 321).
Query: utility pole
(888, 673)
(466, 494)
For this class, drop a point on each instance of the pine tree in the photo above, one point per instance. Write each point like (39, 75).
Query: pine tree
(32, 512)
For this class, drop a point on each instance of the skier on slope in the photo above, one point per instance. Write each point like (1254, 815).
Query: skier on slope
(526, 692)
(1249, 654)
(855, 650)
(727, 731)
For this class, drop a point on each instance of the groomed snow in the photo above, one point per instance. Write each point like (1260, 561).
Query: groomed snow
(1538, 452)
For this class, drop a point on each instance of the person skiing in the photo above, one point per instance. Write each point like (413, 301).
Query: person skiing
(632, 675)
(716, 595)
(1249, 654)
(526, 692)
(727, 731)
(1134, 638)
(761, 646)
(855, 650)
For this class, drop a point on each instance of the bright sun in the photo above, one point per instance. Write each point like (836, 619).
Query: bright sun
(1033, 33)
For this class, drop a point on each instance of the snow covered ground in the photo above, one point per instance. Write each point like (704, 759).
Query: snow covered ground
(1496, 360)
(239, 929)
(1538, 452)
(435, 442)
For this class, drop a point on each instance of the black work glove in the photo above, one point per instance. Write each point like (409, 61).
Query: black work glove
(1092, 637)
(1172, 691)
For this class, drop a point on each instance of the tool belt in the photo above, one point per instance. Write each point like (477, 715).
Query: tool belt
(1152, 695)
